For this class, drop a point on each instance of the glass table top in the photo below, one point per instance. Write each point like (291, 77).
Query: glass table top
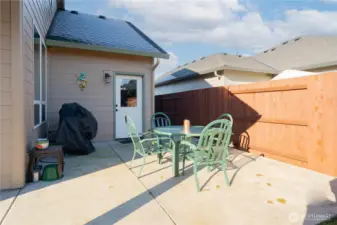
(178, 130)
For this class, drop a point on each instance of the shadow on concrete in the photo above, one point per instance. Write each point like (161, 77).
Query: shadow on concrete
(123, 210)
(322, 210)
(231, 165)
(156, 171)
(75, 166)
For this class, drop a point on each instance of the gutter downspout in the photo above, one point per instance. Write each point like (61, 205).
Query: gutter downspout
(153, 85)
(156, 65)
(216, 74)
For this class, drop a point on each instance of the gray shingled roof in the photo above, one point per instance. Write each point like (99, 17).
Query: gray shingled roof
(301, 53)
(108, 34)
(210, 64)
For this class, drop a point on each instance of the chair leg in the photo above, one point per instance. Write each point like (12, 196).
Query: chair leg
(224, 167)
(134, 155)
(141, 168)
(184, 159)
(195, 171)
(209, 168)
(160, 157)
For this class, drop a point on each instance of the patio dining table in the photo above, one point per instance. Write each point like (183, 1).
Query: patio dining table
(177, 134)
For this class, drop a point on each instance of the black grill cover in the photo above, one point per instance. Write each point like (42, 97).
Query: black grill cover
(77, 127)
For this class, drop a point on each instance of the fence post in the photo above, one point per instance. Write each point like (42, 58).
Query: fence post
(322, 150)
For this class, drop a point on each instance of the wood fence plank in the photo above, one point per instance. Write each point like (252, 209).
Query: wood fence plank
(292, 120)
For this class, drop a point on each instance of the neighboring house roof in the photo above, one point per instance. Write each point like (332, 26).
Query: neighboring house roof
(79, 30)
(211, 63)
(302, 53)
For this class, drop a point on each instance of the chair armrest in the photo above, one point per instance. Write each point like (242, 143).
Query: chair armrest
(149, 140)
(148, 135)
(167, 142)
(188, 144)
(164, 138)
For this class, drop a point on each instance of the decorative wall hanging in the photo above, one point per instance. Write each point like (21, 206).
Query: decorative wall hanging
(82, 81)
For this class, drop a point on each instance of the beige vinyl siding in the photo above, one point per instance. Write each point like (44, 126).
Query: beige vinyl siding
(17, 83)
(231, 77)
(40, 14)
(66, 64)
(6, 95)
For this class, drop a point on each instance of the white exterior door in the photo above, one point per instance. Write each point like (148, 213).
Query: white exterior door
(128, 92)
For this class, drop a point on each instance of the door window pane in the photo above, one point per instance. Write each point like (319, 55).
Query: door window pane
(128, 93)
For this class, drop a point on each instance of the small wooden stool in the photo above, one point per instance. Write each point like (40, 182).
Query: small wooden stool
(36, 154)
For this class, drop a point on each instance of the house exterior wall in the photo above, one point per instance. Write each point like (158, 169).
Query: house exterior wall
(17, 83)
(40, 14)
(66, 64)
(207, 81)
(6, 95)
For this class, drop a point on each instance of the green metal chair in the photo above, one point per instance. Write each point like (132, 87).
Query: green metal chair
(147, 144)
(226, 116)
(160, 119)
(212, 148)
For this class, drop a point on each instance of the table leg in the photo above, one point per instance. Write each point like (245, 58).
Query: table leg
(30, 167)
(160, 157)
(59, 166)
(175, 160)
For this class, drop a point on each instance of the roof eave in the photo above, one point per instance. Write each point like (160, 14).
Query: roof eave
(177, 80)
(67, 44)
(317, 65)
(236, 68)
(208, 71)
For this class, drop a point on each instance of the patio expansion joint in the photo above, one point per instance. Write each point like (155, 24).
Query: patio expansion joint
(10, 207)
(144, 187)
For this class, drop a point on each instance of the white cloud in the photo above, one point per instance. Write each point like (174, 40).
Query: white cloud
(223, 22)
(307, 22)
(167, 65)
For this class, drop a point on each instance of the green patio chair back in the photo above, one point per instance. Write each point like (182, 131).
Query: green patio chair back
(212, 148)
(160, 119)
(133, 134)
(145, 145)
(226, 116)
(215, 139)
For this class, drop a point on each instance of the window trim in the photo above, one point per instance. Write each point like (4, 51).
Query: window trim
(41, 102)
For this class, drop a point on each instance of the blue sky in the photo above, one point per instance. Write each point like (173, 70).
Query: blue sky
(191, 29)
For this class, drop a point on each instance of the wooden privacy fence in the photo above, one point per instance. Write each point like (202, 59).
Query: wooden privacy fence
(290, 120)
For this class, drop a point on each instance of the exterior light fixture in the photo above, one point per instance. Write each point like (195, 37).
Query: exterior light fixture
(107, 77)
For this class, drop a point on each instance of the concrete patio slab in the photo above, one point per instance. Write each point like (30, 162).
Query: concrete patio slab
(96, 189)
(101, 189)
(6, 200)
(262, 191)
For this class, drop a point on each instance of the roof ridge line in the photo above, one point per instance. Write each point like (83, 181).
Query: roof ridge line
(253, 58)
